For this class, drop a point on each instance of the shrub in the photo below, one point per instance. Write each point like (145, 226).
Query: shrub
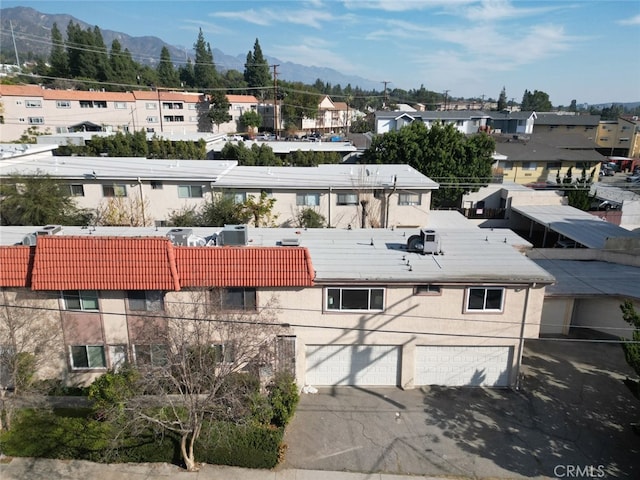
(109, 391)
(283, 397)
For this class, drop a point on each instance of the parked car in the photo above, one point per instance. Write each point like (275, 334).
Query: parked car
(634, 178)
(607, 172)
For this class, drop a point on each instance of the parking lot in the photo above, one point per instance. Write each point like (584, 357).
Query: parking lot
(572, 411)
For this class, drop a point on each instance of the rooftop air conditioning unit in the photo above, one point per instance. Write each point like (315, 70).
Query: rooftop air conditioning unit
(30, 240)
(180, 236)
(49, 230)
(290, 242)
(234, 235)
(428, 241)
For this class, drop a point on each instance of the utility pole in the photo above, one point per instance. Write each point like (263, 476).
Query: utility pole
(384, 99)
(446, 92)
(275, 100)
(482, 105)
(14, 45)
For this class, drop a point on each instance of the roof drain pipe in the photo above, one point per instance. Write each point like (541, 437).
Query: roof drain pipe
(521, 339)
(386, 213)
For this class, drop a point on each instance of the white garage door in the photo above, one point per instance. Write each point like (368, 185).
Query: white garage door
(463, 366)
(352, 365)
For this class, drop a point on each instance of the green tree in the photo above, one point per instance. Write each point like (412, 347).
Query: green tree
(219, 108)
(632, 350)
(204, 70)
(251, 120)
(187, 74)
(309, 218)
(260, 209)
(256, 70)
(502, 100)
(223, 210)
(122, 67)
(459, 163)
(574, 106)
(59, 66)
(301, 102)
(38, 200)
(167, 74)
(537, 101)
(578, 192)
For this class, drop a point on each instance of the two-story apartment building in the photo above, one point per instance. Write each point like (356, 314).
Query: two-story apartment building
(344, 194)
(449, 304)
(60, 111)
(465, 121)
(619, 137)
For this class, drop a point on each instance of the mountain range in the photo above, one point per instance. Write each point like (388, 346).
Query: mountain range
(31, 31)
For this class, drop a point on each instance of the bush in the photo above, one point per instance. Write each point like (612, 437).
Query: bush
(109, 391)
(283, 397)
(57, 388)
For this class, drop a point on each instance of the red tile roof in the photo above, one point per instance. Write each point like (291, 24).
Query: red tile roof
(104, 263)
(244, 267)
(15, 266)
(61, 262)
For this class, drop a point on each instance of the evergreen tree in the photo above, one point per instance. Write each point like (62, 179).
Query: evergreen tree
(167, 74)
(538, 101)
(59, 67)
(187, 75)
(502, 100)
(204, 70)
(256, 69)
(123, 68)
(101, 56)
(219, 108)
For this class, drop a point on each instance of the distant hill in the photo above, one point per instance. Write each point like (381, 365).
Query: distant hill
(31, 27)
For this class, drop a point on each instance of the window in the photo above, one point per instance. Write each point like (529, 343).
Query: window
(485, 299)
(152, 119)
(87, 356)
(63, 104)
(347, 199)
(115, 190)
(86, 104)
(308, 199)
(156, 185)
(409, 199)
(36, 120)
(174, 118)
(224, 352)
(154, 354)
(146, 300)
(505, 165)
(234, 298)
(86, 300)
(554, 165)
(237, 197)
(190, 191)
(76, 190)
(120, 105)
(172, 105)
(150, 106)
(427, 290)
(100, 104)
(33, 103)
(355, 299)
(529, 165)
(191, 106)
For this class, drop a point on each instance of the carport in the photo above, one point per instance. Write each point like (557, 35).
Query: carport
(572, 227)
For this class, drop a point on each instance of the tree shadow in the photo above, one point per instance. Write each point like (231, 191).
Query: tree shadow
(569, 411)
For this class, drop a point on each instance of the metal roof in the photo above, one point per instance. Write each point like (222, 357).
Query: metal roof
(435, 114)
(471, 255)
(591, 277)
(579, 226)
(556, 119)
(281, 147)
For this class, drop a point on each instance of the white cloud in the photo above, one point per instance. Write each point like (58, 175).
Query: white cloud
(207, 27)
(309, 17)
(630, 21)
(402, 5)
(493, 10)
(315, 52)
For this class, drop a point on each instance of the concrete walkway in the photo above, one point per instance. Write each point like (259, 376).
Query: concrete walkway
(45, 469)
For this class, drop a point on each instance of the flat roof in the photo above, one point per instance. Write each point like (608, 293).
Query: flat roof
(585, 278)
(579, 226)
(349, 176)
(281, 147)
(470, 254)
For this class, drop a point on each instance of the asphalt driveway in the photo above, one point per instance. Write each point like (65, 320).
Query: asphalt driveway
(570, 419)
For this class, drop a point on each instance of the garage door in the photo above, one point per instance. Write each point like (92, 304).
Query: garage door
(352, 365)
(463, 366)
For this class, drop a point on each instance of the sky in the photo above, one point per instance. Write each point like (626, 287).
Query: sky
(585, 50)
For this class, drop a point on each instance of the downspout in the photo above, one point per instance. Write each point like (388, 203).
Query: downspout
(329, 213)
(521, 339)
(386, 207)
(144, 221)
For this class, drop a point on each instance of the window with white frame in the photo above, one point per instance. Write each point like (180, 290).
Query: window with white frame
(86, 104)
(347, 199)
(63, 104)
(529, 165)
(156, 185)
(87, 356)
(150, 106)
(234, 298)
(355, 299)
(120, 105)
(146, 300)
(150, 354)
(191, 106)
(308, 199)
(152, 119)
(100, 104)
(33, 103)
(36, 120)
(76, 190)
(85, 300)
(223, 352)
(427, 289)
(485, 299)
(190, 191)
(237, 197)
(174, 118)
(114, 190)
(409, 198)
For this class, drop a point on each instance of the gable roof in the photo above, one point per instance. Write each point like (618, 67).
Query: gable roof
(244, 267)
